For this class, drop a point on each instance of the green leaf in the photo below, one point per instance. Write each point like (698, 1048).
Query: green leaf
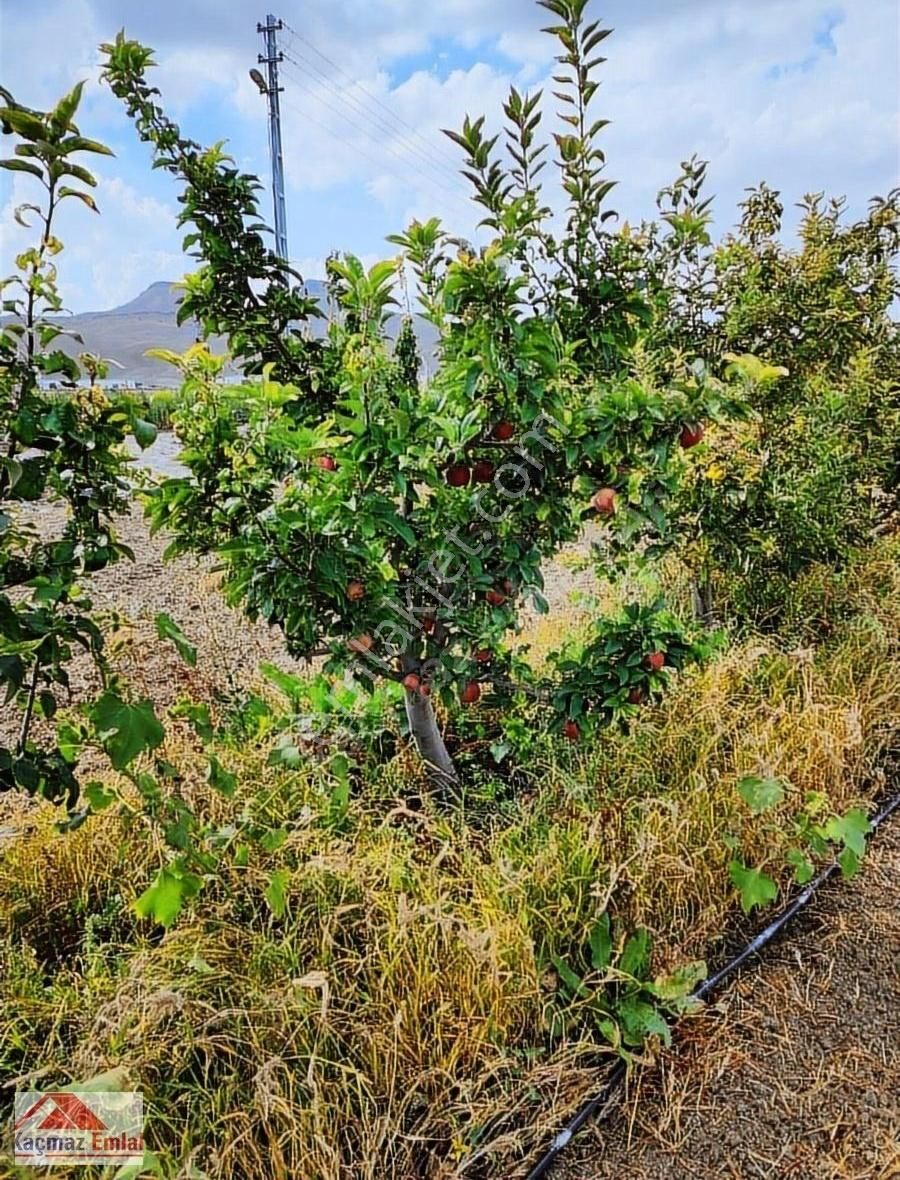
(99, 796)
(760, 794)
(164, 899)
(635, 958)
(849, 862)
(640, 1019)
(219, 778)
(570, 978)
(167, 628)
(675, 988)
(276, 892)
(65, 191)
(601, 943)
(756, 889)
(145, 433)
(126, 730)
(803, 868)
(22, 166)
(850, 830)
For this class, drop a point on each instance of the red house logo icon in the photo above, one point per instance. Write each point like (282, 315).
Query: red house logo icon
(61, 1112)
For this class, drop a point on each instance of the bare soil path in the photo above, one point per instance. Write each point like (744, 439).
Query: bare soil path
(794, 1074)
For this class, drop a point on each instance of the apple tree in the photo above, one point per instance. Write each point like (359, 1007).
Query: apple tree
(398, 526)
(63, 480)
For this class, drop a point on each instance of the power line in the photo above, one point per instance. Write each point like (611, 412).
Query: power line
(435, 184)
(450, 161)
(362, 149)
(446, 175)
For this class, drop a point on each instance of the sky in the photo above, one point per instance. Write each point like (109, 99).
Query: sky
(801, 93)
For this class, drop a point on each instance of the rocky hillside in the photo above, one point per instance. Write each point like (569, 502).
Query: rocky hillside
(124, 333)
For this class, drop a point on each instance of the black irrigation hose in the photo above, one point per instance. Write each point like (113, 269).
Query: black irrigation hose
(599, 1102)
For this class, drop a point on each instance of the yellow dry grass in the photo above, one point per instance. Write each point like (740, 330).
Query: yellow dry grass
(392, 1023)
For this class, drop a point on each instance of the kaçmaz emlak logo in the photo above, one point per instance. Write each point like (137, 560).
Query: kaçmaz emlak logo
(78, 1127)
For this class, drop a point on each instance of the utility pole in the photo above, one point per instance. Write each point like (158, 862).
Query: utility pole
(271, 89)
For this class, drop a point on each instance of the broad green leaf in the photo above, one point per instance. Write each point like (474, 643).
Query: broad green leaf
(167, 628)
(803, 868)
(675, 988)
(570, 978)
(756, 888)
(635, 958)
(760, 794)
(849, 862)
(164, 899)
(126, 730)
(850, 830)
(219, 778)
(99, 796)
(276, 892)
(601, 943)
(640, 1019)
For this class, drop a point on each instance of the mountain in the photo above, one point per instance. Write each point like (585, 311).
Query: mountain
(123, 334)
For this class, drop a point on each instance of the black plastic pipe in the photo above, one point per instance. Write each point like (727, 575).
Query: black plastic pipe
(598, 1104)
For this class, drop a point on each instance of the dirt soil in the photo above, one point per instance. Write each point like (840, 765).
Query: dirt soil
(794, 1073)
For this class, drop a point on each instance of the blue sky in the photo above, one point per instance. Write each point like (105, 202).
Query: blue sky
(802, 93)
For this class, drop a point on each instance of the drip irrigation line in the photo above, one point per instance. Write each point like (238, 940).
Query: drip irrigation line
(599, 1103)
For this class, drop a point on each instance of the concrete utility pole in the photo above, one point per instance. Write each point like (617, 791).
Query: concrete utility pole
(271, 89)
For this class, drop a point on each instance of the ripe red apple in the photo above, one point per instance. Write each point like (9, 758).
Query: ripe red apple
(655, 661)
(503, 431)
(470, 693)
(355, 591)
(484, 655)
(424, 689)
(412, 683)
(636, 696)
(604, 501)
(428, 622)
(571, 731)
(483, 471)
(326, 462)
(458, 475)
(360, 644)
(495, 598)
(691, 434)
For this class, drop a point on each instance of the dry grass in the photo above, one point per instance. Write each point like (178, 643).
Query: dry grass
(383, 1026)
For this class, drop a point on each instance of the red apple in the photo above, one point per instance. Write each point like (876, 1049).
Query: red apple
(483, 471)
(495, 598)
(470, 693)
(412, 683)
(571, 731)
(355, 591)
(604, 501)
(655, 661)
(428, 622)
(424, 689)
(360, 644)
(636, 696)
(503, 431)
(691, 434)
(484, 655)
(458, 475)
(326, 462)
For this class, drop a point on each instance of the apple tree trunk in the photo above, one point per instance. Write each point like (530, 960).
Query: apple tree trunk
(423, 726)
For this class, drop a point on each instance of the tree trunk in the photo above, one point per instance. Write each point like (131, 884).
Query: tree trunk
(702, 597)
(423, 726)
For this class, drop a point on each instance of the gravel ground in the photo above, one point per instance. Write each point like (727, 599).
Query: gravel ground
(794, 1074)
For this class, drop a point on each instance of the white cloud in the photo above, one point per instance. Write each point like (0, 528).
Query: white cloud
(802, 94)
